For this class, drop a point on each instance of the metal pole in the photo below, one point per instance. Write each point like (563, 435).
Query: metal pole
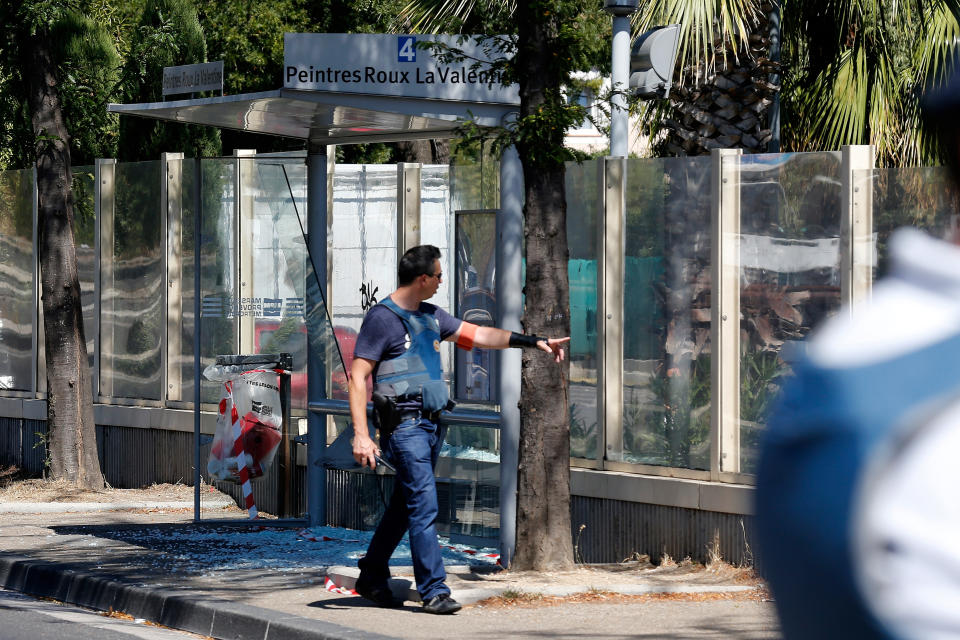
(856, 224)
(509, 285)
(316, 385)
(620, 77)
(725, 312)
(285, 475)
(197, 227)
(610, 275)
(171, 206)
(408, 206)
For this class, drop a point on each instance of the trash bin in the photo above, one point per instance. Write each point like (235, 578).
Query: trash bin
(251, 428)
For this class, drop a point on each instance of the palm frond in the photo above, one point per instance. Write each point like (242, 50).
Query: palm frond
(435, 16)
(703, 25)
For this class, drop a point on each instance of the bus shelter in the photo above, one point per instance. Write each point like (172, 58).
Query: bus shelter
(350, 89)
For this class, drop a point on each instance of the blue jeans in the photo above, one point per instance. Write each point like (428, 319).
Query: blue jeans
(412, 448)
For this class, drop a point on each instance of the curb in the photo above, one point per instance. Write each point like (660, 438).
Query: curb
(182, 610)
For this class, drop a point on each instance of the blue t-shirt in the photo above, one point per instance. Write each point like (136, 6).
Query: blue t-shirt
(383, 336)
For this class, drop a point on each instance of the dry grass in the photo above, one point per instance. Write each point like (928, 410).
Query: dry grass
(9, 475)
(599, 596)
(15, 487)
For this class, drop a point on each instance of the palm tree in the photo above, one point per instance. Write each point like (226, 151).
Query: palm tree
(727, 79)
(851, 70)
(866, 68)
(851, 74)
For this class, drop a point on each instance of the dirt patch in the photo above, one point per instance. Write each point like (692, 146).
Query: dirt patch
(612, 584)
(601, 576)
(14, 487)
(523, 599)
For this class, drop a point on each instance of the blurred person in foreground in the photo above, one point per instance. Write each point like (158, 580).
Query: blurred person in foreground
(399, 345)
(858, 513)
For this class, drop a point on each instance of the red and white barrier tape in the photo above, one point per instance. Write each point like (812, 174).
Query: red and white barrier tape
(329, 585)
(241, 457)
(306, 535)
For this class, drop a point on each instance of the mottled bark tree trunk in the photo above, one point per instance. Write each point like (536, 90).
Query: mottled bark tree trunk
(424, 151)
(544, 538)
(72, 436)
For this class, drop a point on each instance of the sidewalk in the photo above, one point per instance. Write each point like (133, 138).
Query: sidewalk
(152, 562)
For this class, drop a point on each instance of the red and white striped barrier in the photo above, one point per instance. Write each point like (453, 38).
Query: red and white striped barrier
(241, 457)
(330, 586)
(306, 535)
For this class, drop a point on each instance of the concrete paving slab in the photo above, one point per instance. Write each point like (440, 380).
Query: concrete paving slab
(92, 559)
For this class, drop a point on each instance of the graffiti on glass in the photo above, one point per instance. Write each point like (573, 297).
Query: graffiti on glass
(368, 296)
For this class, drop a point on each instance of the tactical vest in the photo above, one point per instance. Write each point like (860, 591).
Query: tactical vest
(417, 374)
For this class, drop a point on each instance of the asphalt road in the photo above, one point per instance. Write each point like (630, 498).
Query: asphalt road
(25, 618)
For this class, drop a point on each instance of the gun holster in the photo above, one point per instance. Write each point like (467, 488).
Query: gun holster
(385, 410)
(389, 416)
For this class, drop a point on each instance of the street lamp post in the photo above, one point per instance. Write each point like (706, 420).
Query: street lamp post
(621, 10)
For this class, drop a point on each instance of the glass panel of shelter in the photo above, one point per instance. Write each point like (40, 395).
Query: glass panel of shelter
(17, 305)
(131, 293)
(272, 240)
(583, 210)
(667, 380)
(790, 266)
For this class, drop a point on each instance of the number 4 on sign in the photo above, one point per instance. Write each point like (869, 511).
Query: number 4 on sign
(406, 49)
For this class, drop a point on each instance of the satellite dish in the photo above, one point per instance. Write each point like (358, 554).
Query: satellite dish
(652, 60)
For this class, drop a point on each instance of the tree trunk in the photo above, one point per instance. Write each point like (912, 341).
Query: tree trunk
(728, 108)
(544, 537)
(424, 151)
(72, 436)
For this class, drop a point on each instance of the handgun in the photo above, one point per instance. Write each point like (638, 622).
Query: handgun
(384, 463)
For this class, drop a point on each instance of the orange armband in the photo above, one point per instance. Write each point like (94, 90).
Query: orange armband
(467, 333)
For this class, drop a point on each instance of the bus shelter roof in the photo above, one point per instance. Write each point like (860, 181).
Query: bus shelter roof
(326, 117)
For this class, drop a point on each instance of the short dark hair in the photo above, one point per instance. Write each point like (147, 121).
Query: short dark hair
(416, 262)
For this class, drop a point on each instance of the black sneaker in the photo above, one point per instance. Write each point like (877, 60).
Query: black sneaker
(441, 604)
(378, 593)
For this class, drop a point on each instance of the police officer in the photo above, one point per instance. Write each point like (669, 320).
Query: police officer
(399, 344)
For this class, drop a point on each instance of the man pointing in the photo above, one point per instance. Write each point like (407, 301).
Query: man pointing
(399, 344)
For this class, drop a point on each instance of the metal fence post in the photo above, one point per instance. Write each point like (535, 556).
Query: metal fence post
(725, 312)
(610, 276)
(197, 324)
(856, 225)
(171, 184)
(408, 206)
(243, 177)
(285, 472)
